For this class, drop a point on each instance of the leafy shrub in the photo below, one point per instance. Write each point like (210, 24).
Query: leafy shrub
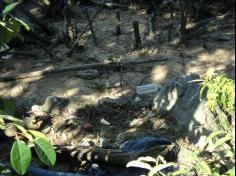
(221, 160)
(10, 27)
(20, 153)
(220, 91)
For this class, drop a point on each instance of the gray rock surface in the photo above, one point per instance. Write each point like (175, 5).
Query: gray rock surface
(179, 98)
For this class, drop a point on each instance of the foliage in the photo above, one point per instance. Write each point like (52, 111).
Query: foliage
(10, 27)
(220, 91)
(20, 153)
(221, 160)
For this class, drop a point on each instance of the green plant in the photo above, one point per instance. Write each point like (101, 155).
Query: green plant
(221, 160)
(10, 26)
(220, 91)
(20, 153)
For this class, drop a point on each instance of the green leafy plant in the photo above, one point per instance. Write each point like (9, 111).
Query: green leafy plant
(21, 153)
(220, 91)
(10, 26)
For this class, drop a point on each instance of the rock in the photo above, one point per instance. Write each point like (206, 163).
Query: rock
(151, 114)
(180, 99)
(37, 110)
(164, 126)
(55, 105)
(147, 89)
(105, 122)
(88, 127)
(88, 74)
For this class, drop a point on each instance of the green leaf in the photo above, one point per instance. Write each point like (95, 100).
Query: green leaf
(179, 172)
(139, 164)
(26, 26)
(159, 168)
(2, 124)
(231, 172)
(6, 116)
(10, 7)
(45, 151)
(203, 166)
(20, 157)
(37, 134)
(147, 159)
(222, 140)
(212, 135)
(7, 106)
(25, 132)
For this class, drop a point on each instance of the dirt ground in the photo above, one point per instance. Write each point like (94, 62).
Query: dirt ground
(215, 50)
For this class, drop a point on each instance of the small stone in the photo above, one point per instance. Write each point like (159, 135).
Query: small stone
(147, 89)
(54, 105)
(46, 129)
(151, 114)
(105, 122)
(88, 127)
(164, 126)
(88, 74)
(137, 99)
(37, 110)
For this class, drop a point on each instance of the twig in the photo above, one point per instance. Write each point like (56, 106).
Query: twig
(118, 23)
(91, 27)
(21, 53)
(83, 32)
(138, 43)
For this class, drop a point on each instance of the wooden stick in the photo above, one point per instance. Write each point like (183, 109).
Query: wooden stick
(151, 24)
(54, 70)
(91, 28)
(81, 35)
(118, 23)
(138, 43)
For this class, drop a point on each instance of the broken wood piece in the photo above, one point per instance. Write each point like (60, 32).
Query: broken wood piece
(138, 43)
(53, 70)
(151, 24)
(91, 28)
(34, 19)
(118, 23)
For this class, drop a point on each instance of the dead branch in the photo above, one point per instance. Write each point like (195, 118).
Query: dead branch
(91, 28)
(54, 70)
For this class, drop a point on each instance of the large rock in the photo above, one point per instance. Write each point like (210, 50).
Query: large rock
(180, 99)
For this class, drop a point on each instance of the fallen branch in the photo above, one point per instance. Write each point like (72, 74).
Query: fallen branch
(54, 70)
